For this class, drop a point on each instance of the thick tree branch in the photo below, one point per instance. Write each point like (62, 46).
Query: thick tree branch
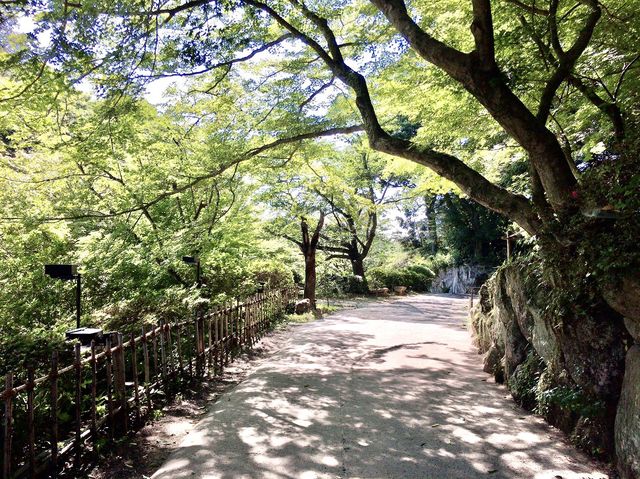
(490, 89)
(566, 59)
(457, 64)
(482, 30)
(323, 26)
(172, 11)
(307, 40)
(612, 110)
(225, 64)
(316, 233)
(337, 256)
(453, 61)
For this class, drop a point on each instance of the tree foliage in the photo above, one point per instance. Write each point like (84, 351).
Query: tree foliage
(529, 109)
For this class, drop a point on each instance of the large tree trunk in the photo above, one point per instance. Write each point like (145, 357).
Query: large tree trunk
(357, 266)
(309, 246)
(310, 277)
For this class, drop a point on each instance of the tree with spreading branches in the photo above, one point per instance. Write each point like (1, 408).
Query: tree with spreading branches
(550, 86)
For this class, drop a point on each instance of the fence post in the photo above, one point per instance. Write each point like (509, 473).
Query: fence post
(77, 364)
(147, 375)
(54, 413)
(8, 426)
(199, 325)
(245, 334)
(218, 340)
(109, 373)
(210, 343)
(179, 348)
(169, 353)
(225, 332)
(94, 396)
(134, 372)
(154, 342)
(31, 420)
(163, 359)
(119, 382)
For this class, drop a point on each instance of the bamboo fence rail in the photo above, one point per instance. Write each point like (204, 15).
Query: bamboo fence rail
(57, 421)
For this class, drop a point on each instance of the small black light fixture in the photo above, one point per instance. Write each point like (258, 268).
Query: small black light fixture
(67, 272)
(261, 286)
(194, 260)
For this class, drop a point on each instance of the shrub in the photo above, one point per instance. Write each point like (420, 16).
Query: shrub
(416, 277)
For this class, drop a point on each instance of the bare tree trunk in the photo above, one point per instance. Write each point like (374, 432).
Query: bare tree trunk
(357, 266)
(310, 277)
(309, 246)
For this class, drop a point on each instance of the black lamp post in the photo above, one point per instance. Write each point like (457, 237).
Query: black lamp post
(67, 272)
(194, 260)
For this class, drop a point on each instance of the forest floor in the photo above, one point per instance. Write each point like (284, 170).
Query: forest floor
(387, 389)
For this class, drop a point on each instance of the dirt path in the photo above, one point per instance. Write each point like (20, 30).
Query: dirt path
(391, 390)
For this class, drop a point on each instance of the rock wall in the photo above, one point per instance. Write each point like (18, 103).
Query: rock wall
(458, 279)
(569, 370)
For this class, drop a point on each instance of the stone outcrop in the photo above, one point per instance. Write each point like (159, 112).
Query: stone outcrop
(624, 297)
(458, 279)
(627, 432)
(569, 369)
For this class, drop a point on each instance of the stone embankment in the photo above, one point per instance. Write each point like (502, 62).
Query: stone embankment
(581, 371)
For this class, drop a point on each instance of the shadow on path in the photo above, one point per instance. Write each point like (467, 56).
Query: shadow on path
(392, 390)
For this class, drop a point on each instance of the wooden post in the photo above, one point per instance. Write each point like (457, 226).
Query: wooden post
(147, 375)
(196, 345)
(236, 327)
(108, 371)
(134, 372)
(210, 342)
(31, 420)
(154, 342)
(179, 348)
(119, 383)
(263, 317)
(78, 405)
(163, 359)
(94, 396)
(53, 378)
(201, 342)
(226, 321)
(251, 318)
(217, 324)
(169, 347)
(190, 353)
(7, 426)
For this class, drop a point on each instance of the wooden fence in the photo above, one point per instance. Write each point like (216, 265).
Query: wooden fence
(60, 420)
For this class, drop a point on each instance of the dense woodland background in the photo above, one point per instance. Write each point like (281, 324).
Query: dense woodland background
(96, 184)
